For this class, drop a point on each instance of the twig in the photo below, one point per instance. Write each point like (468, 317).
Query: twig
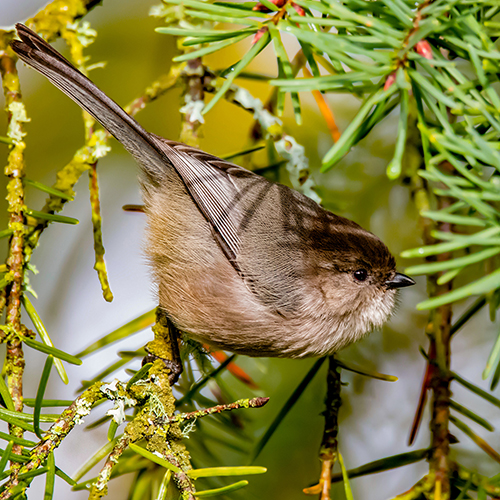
(162, 438)
(159, 87)
(402, 59)
(439, 328)
(438, 380)
(136, 430)
(60, 14)
(423, 487)
(242, 403)
(74, 41)
(328, 450)
(100, 263)
(424, 389)
(99, 488)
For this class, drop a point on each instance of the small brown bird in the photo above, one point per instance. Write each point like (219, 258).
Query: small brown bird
(241, 263)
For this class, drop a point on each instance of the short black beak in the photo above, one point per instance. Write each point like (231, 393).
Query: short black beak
(399, 281)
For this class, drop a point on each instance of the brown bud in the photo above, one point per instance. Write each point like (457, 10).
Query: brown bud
(257, 402)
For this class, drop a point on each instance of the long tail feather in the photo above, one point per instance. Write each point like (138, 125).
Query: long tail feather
(38, 54)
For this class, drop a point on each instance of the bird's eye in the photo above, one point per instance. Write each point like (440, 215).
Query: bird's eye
(360, 275)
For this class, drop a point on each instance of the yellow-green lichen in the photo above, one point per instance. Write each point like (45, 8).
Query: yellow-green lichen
(18, 116)
(57, 15)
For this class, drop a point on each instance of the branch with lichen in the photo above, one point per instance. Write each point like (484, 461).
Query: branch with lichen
(96, 146)
(58, 15)
(16, 116)
(72, 416)
(192, 415)
(19, 250)
(78, 37)
(156, 423)
(155, 399)
(58, 19)
(99, 487)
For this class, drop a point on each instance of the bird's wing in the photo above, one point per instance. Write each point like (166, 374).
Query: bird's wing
(254, 221)
(210, 182)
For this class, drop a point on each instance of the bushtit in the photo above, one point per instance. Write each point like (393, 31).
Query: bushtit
(241, 263)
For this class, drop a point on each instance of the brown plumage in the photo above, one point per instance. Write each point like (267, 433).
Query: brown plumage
(241, 263)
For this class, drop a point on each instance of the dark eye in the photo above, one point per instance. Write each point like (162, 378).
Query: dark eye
(360, 275)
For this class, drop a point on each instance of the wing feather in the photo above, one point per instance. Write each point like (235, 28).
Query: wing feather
(208, 180)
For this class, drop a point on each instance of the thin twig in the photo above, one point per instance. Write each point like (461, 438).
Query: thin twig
(162, 436)
(158, 88)
(100, 263)
(439, 331)
(99, 488)
(328, 450)
(242, 403)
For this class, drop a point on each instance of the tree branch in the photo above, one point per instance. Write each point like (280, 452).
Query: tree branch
(16, 116)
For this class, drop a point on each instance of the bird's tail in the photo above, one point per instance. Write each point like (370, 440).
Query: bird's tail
(41, 56)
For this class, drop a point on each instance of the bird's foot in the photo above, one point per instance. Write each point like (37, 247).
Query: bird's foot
(173, 366)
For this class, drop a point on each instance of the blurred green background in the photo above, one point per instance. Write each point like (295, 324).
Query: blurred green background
(376, 416)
